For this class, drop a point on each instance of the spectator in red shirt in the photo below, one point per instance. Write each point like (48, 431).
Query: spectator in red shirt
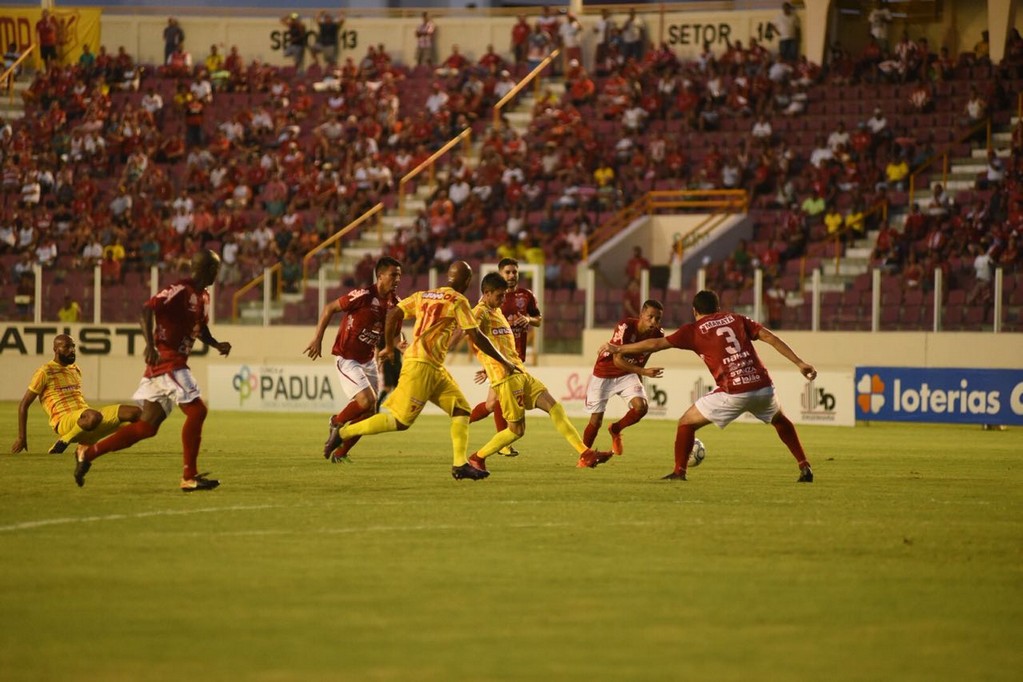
(519, 39)
(47, 29)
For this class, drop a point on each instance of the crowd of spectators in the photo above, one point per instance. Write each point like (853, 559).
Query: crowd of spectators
(129, 166)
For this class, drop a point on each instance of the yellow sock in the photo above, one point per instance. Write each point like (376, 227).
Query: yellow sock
(566, 429)
(460, 439)
(500, 440)
(382, 422)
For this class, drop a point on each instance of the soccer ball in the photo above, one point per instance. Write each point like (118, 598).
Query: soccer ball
(697, 454)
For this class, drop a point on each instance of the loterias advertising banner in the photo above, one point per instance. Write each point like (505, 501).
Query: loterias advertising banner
(959, 396)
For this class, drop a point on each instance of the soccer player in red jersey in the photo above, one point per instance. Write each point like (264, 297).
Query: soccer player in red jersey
(725, 343)
(522, 312)
(171, 322)
(620, 374)
(355, 346)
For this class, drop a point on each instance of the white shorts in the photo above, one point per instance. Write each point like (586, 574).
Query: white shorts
(723, 408)
(167, 389)
(599, 390)
(356, 376)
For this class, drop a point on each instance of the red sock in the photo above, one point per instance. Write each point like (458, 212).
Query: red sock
(787, 433)
(479, 412)
(347, 415)
(590, 435)
(630, 418)
(122, 438)
(685, 436)
(499, 421)
(191, 436)
(347, 446)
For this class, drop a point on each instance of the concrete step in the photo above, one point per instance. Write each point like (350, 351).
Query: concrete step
(12, 106)
(959, 185)
(827, 284)
(859, 253)
(966, 168)
(981, 153)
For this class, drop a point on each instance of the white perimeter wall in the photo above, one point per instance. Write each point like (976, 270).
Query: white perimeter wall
(274, 361)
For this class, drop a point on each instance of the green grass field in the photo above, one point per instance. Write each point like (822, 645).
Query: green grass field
(903, 561)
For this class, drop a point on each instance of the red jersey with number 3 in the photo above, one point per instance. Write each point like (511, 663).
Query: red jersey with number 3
(724, 341)
(519, 302)
(180, 312)
(627, 331)
(360, 330)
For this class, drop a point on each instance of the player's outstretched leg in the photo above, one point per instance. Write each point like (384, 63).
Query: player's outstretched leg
(500, 440)
(82, 465)
(633, 415)
(354, 411)
(481, 411)
(122, 438)
(685, 436)
(339, 455)
(191, 439)
(588, 457)
(500, 423)
(592, 429)
(787, 432)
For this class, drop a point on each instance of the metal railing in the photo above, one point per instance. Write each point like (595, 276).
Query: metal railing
(8, 77)
(335, 241)
(944, 156)
(880, 207)
(430, 164)
(724, 202)
(533, 77)
(272, 274)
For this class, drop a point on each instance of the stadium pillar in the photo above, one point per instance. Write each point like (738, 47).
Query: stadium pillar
(97, 294)
(1000, 16)
(815, 40)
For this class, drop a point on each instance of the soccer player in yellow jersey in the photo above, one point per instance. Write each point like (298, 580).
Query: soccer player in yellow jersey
(58, 386)
(520, 391)
(423, 376)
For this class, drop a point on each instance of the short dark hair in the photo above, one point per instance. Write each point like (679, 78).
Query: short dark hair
(384, 263)
(492, 282)
(652, 303)
(706, 302)
(507, 261)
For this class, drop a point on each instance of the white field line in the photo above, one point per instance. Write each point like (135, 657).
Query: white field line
(415, 528)
(28, 525)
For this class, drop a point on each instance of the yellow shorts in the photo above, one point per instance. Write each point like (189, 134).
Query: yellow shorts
(420, 383)
(106, 427)
(518, 393)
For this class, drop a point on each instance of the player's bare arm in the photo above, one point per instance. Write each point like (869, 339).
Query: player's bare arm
(148, 321)
(523, 320)
(223, 347)
(392, 332)
(313, 350)
(622, 364)
(21, 442)
(483, 343)
(644, 346)
(805, 368)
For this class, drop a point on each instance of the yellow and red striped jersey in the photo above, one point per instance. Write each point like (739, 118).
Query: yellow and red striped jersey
(437, 312)
(59, 389)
